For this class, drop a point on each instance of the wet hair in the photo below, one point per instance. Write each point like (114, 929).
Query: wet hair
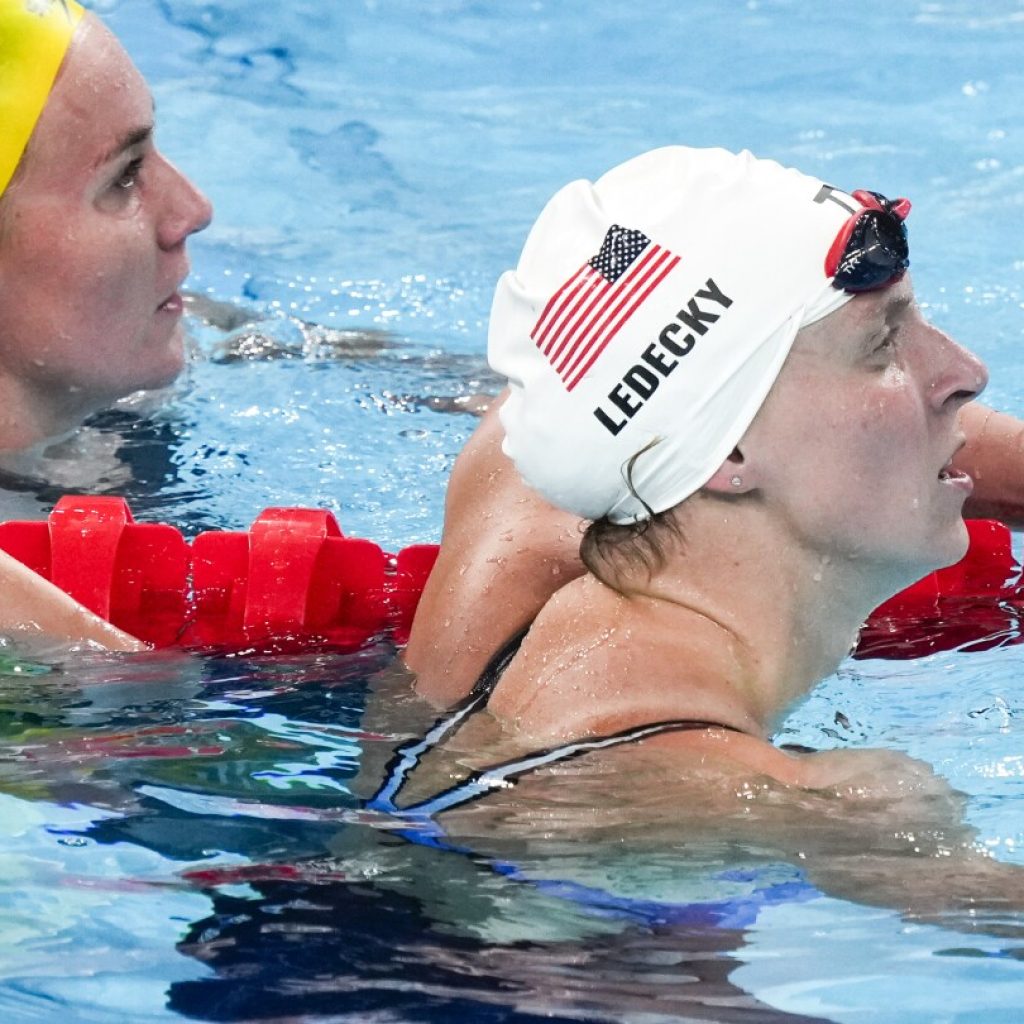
(610, 549)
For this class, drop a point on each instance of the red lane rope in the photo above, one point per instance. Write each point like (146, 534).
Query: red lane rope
(295, 580)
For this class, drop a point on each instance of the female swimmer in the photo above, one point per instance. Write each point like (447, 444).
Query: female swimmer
(719, 363)
(508, 547)
(93, 227)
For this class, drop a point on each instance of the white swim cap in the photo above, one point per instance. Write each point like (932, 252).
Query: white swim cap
(657, 304)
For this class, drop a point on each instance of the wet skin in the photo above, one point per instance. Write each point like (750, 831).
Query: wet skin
(849, 490)
(506, 551)
(93, 230)
(92, 252)
(855, 442)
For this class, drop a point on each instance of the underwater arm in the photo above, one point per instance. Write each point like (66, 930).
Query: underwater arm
(31, 603)
(887, 831)
(928, 871)
(994, 457)
(874, 827)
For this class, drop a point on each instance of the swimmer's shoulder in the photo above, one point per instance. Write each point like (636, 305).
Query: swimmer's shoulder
(504, 551)
(552, 690)
(865, 773)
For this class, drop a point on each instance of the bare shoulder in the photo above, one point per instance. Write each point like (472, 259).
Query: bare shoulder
(869, 774)
(504, 552)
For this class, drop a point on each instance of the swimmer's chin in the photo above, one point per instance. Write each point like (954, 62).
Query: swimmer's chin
(951, 552)
(171, 366)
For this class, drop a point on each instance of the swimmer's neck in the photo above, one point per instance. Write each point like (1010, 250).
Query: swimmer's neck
(33, 417)
(724, 641)
(766, 650)
(768, 625)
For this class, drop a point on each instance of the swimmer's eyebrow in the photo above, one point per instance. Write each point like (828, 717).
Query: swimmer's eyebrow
(898, 305)
(135, 137)
(881, 319)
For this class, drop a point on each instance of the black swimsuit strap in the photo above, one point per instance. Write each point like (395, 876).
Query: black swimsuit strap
(406, 757)
(500, 660)
(502, 775)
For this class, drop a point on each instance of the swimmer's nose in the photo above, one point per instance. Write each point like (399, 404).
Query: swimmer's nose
(961, 376)
(186, 210)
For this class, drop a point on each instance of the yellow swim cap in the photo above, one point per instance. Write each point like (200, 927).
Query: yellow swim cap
(34, 36)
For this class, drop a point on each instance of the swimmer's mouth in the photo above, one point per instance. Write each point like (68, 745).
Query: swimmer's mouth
(949, 475)
(174, 302)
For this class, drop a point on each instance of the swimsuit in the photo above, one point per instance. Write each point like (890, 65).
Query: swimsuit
(480, 783)
(421, 827)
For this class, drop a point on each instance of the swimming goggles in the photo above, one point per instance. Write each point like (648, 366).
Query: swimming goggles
(871, 249)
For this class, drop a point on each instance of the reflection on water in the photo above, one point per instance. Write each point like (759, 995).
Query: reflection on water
(239, 775)
(274, 411)
(351, 950)
(221, 802)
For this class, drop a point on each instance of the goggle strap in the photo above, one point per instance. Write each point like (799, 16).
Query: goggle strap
(873, 201)
(900, 207)
(838, 248)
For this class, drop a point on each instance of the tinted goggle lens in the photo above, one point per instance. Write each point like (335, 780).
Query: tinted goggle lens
(871, 251)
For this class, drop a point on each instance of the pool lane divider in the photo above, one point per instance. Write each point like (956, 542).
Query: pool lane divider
(294, 582)
(291, 582)
(976, 604)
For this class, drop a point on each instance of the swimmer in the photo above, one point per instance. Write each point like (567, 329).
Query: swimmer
(747, 523)
(719, 363)
(506, 549)
(93, 227)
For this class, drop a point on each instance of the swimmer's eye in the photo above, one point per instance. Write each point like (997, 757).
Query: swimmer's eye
(129, 177)
(886, 342)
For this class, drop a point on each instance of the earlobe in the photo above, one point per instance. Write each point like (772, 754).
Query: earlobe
(734, 476)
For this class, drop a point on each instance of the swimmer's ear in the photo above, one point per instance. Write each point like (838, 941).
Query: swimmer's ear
(734, 476)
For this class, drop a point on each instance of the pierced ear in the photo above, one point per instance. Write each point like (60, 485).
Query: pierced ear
(733, 476)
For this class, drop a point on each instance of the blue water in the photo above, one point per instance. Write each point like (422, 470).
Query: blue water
(375, 165)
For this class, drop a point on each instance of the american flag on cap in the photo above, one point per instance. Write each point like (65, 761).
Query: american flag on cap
(583, 316)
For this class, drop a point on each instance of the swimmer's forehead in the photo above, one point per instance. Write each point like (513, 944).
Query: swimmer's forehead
(100, 107)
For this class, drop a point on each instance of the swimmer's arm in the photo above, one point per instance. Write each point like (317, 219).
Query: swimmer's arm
(994, 457)
(875, 827)
(32, 604)
(504, 552)
(915, 855)
(884, 830)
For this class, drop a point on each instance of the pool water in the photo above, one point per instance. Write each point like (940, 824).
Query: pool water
(185, 838)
